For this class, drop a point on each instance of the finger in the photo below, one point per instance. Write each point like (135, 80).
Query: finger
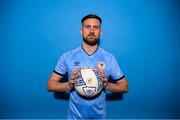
(104, 78)
(71, 83)
(75, 73)
(73, 77)
(99, 70)
(102, 75)
(77, 70)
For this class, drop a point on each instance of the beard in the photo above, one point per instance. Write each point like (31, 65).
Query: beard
(91, 39)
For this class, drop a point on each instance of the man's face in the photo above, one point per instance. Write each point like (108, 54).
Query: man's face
(91, 31)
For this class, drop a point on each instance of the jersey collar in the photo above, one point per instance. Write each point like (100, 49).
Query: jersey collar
(92, 53)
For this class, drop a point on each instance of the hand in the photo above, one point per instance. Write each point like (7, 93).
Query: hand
(73, 76)
(103, 76)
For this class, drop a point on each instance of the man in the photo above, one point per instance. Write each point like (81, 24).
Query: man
(89, 54)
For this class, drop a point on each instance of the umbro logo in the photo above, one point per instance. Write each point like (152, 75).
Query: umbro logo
(76, 63)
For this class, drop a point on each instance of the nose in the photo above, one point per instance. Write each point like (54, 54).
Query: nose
(91, 29)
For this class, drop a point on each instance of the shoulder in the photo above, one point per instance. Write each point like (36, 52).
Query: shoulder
(106, 53)
(71, 52)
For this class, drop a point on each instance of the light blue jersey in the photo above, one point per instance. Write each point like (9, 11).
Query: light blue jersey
(81, 108)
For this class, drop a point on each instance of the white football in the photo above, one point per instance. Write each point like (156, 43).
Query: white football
(88, 82)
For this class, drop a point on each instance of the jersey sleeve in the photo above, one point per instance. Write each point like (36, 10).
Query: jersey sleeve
(115, 70)
(61, 68)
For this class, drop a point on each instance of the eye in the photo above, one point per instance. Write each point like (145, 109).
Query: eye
(96, 27)
(87, 26)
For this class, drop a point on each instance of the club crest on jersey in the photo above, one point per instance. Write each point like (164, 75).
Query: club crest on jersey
(101, 65)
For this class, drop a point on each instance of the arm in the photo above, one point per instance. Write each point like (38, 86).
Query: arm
(121, 86)
(55, 86)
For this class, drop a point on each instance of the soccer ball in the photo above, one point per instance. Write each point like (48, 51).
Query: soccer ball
(88, 82)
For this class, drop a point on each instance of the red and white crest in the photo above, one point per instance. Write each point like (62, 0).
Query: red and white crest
(101, 65)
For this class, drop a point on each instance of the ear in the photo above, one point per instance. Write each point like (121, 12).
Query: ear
(81, 31)
(101, 32)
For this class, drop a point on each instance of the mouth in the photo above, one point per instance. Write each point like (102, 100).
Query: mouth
(91, 36)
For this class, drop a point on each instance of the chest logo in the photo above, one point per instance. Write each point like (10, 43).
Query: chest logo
(76, 63)
(101, 65)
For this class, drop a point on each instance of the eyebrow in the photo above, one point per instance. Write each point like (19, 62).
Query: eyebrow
(93, 26)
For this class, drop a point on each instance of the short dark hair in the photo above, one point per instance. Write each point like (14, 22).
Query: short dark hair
(91, 16)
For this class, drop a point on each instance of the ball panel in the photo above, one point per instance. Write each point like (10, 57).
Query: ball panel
(88, 83)
(89, 76)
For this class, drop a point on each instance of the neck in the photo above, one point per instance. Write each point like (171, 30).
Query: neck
(89, 49)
